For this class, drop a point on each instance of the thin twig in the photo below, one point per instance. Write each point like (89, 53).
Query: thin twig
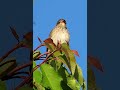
(39, 59)
(38, 47)
(6, 78)
(44, 60)
(23, 82)
(27, 79)
(43, 54)
(9, 52)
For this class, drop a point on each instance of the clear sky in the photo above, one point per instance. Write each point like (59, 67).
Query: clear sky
(47, 12)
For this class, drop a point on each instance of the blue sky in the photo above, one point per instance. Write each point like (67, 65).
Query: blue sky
(47, 12)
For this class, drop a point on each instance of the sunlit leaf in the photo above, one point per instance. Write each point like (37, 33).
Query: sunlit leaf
(84, 87)
(38, 86)
(70, 57)
(71, 82)
(75, 52)
(50, 78)
(36, 54)
(37, 76)
(78, 75)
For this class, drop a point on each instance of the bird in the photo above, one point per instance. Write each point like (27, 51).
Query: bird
(60, 34)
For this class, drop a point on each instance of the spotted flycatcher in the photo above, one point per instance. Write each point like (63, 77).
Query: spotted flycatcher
(60, 33)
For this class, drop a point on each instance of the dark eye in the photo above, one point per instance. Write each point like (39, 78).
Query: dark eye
(58, 22)
(62, 20)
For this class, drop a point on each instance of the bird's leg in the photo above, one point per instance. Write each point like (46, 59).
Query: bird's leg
(59, 46)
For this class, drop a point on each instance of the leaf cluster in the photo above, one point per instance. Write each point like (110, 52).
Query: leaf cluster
(58, 70)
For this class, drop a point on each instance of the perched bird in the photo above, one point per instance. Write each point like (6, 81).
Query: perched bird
(60, 33)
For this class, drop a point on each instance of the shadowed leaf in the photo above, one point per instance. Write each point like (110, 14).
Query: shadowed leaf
(91, 79)
(64, 73)
(2, 85)
(6, 67)
(95, 62)
(26, 88)
(28, 36)
(28, 40)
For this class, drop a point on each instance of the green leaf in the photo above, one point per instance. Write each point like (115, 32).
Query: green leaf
(84, 87)
(64, 74)
(37, 76)
(91, 79)
(50, 78)
(38, 86)
(56, 64)
(70, 58)
(78, 75)
(2, 85)
(62, 58)
(71, 82)
(52, 47)
(36, 54)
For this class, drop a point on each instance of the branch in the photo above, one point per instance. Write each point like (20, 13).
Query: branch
(9, 52)
(23, 82)
(19, 68)
(44, 60)
(43, 54)
(6, 78)
(39, 47)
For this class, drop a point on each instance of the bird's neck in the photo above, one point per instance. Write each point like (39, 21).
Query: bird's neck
(61, 26)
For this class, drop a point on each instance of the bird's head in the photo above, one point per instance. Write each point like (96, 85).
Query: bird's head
(61, 22)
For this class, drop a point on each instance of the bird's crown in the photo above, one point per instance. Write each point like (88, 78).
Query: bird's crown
(61, 21)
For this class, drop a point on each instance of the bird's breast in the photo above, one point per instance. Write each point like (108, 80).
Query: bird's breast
(60, 35)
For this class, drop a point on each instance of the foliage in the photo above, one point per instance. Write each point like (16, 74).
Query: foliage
(58, 70)
(92, 61)
(2, 85)
(9, 69)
